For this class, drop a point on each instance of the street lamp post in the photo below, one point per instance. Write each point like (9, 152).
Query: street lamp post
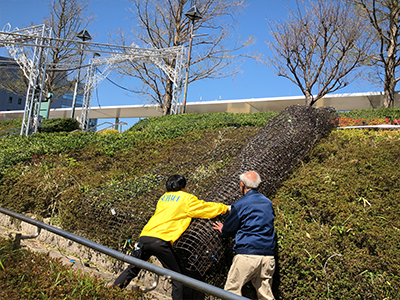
(84, 36)
(193, 14)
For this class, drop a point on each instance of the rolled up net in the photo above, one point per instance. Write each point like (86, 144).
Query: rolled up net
(273, 153)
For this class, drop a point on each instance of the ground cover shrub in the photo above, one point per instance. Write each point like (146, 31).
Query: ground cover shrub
(77, 189)
(61, 186)
(52, 167)
(114, 213)
(132, 195)
(109, 131)
(371, 113)
(337, 220)
(343, 198)
(28, 275)
(174, 125)
(16, 149)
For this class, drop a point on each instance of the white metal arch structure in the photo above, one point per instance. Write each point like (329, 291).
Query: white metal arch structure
(34, 67)
(155, 56)
(39, 39)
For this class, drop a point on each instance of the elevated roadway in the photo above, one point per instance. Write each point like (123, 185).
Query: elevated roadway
(341, 102)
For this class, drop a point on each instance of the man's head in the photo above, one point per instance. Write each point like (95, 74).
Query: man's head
(249, 180)
(176, 183)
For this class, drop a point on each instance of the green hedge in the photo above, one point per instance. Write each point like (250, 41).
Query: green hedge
(370, 113)
(60, 125)
(49, 125)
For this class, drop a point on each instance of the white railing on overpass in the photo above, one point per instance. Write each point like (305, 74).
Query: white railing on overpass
(341, 102)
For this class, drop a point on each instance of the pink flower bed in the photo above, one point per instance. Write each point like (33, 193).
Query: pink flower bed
(343, 122)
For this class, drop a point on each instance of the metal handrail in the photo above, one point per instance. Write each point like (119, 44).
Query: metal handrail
(111, 125)
(4, 135)
(185, 280)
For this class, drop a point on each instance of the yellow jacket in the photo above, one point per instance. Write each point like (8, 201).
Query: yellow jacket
(174, 212)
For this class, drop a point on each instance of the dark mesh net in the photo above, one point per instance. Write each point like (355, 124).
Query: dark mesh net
(273, 153)
(115, 214)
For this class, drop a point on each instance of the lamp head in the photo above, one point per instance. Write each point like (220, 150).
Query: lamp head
(193, 14)
(84, 35)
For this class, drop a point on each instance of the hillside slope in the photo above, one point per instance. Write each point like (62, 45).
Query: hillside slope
(336, 215)
(337, 220)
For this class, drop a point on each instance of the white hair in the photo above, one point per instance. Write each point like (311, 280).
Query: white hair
(250, 184)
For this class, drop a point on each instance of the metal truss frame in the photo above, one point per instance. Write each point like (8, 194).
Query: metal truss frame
(34, 63)
(34, 68)
(94, 76)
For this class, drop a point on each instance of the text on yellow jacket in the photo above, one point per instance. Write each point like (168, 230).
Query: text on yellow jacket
(174, 212)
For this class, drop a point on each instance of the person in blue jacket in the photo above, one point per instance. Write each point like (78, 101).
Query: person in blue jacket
(251, 223)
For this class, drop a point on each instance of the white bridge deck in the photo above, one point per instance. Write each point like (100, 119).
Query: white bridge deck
(341, 102)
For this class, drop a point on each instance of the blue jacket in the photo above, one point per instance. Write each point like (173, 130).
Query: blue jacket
(251, 222)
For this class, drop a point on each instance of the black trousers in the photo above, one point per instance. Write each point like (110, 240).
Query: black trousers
(165, 254)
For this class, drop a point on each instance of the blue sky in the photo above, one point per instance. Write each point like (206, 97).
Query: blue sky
(255, 81)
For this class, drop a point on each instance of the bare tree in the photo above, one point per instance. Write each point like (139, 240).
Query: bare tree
(162, 24)
(384, 18)
(317, 47)
(66, 18)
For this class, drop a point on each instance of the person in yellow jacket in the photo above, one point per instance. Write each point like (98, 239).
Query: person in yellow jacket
(175, 209)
